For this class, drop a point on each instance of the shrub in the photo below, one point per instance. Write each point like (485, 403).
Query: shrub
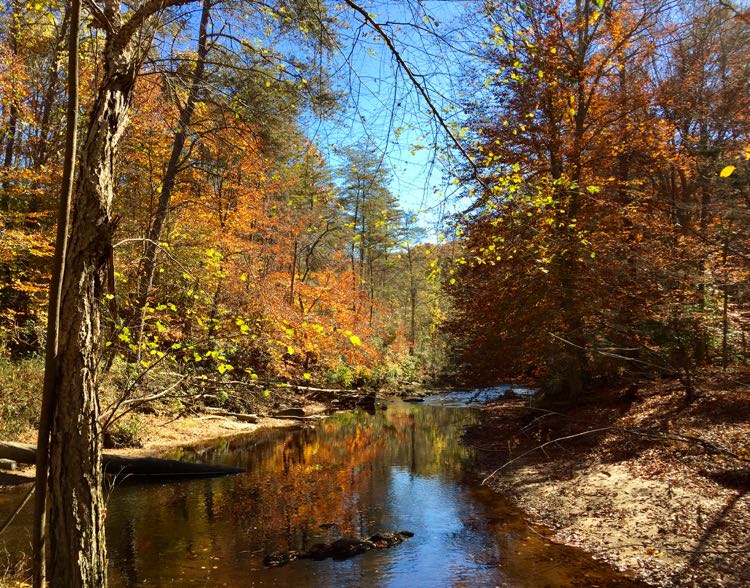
(20, 397)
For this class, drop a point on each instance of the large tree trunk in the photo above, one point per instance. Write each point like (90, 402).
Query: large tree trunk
(76, 503)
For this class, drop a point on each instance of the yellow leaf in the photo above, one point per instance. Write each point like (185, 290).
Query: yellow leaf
(355, 340)
(727, 171)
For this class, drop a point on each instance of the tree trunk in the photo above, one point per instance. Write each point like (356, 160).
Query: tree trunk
(412, 302)
(170, 174)
(293, 273)
(76, 502)
(725, 308)
(49, 391)
(12, 130)
(41, 152)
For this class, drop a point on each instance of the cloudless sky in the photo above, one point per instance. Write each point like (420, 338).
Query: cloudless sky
(384, 107)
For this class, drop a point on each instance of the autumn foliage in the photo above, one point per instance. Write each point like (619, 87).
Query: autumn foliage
(273, 264)
(607, 238)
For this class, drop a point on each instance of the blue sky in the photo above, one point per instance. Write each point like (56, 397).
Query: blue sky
(385, 109)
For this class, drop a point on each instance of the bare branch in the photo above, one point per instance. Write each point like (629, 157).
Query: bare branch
(419, 86)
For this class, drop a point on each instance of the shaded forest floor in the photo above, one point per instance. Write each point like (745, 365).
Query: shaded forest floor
(670, 511)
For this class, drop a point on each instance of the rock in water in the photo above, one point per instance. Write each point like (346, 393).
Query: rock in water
(280, 558)
(383, 540)
(342, 548)
(347, 547)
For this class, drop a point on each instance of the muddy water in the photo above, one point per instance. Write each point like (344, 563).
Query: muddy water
(351, 474)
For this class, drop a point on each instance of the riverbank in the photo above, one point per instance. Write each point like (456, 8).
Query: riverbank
(161, 433)
(654, 486)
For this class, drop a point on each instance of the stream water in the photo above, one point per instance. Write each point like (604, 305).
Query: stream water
(353, 473)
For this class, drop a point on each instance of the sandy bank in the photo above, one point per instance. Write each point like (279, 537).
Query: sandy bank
(671, 513)
(162, 433)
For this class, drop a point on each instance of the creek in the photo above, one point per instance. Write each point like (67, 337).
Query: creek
(350, 474)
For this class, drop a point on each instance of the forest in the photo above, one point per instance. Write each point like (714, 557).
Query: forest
(229, 209)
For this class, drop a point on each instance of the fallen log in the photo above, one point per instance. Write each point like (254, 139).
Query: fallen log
(151, 468)
(312, 417)
(245, 418)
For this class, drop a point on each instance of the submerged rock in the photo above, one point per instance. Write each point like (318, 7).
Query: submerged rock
(367, 401)
(342, 548)
(280, 558)
(383, 540)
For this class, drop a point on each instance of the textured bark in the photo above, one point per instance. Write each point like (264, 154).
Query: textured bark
(76, 502)
(49, 393)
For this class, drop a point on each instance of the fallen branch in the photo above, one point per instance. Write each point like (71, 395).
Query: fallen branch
(245, 418)
(19, 508)
(712, 447)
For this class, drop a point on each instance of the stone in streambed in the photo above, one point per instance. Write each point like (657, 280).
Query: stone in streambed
(342, 548)
(384, 540)
(347, 547)
(281, 558)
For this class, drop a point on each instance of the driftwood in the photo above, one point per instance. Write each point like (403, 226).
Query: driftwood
(140, 467)
(245, 418)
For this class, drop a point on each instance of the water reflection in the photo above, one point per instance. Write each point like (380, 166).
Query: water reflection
(351, 474)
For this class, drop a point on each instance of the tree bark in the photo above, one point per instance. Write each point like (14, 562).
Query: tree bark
(49, 392)
(76, 502)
